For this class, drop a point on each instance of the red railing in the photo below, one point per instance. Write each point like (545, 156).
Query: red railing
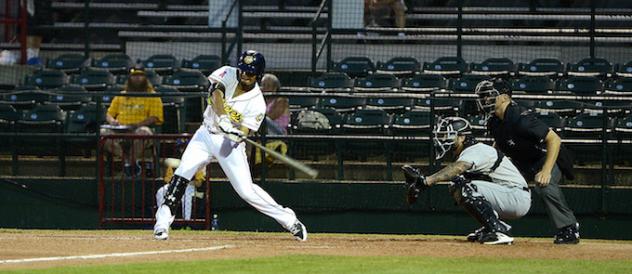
(12, 24)
(129, 198)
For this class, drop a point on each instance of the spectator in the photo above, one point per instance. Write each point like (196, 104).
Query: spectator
(277, 115)
(376, 10)
(135, 115)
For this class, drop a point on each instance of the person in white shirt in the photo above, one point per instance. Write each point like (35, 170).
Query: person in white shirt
(236, 107)
(483, 181)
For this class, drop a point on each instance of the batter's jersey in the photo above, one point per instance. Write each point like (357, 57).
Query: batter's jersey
(482, 157)
(248, 109)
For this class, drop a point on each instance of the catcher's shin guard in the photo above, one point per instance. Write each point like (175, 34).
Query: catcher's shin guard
(478, 207)
(174, 192)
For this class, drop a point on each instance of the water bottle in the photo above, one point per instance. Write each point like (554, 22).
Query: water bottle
(215, 222)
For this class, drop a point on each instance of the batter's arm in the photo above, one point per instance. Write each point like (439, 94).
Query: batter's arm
(449, 172)
(217, 99)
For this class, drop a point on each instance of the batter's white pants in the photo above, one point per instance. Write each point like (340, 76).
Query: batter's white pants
(232, 158)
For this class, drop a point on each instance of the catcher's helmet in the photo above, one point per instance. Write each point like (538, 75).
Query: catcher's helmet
(487, 92)
(445, 132)
(253, 62)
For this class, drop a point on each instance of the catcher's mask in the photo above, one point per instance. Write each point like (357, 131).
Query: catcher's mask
(445, 133)
(487, 92)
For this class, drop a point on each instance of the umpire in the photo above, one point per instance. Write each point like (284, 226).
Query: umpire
(535, 149)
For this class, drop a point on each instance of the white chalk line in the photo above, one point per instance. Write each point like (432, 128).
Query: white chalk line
(108, 255)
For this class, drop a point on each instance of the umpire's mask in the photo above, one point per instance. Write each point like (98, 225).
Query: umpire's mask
(487, 92)
(445, 133)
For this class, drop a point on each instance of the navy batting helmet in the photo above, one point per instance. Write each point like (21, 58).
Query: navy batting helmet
(252, 62)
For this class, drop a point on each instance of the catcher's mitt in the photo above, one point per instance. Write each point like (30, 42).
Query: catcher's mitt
(415, 183)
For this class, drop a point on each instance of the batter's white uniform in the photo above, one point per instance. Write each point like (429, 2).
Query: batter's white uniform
(247, 109)
(508, 192)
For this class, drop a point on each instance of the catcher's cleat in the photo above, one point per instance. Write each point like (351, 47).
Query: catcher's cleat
(475, 236)
(496, 238)
(568, 235)
(161, 234)
(299, 231)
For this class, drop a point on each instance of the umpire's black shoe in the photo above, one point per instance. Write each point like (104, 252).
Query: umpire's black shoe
(568, 235)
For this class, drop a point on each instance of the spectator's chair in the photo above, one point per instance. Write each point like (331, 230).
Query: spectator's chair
(467, 83)
(614, 108)
(399, 66)
(163, 64)
(416, 124)
(355, 66)
(47, 79)
(446, 66)
(442, 106)
(564, 108)
(174, 110)
(27, 99)
(624, 70)
(579, 85)
(68, 63)
(204, 63)
(621, 86)
(390, 104)
(94, 80)
(377, 82)
(424, 83)
(41, 119)
(341, 104)
(190, 81)
(533, 85)
(70, 97)
(332, 81)
(623, 132)
(82, 120)
(541, 67)
(118, 63)
(314, 147)
(553, 120)
(362, 123)
(478, 123)
(594, 67)
(494, 67)
(588, 129)
(298, 103)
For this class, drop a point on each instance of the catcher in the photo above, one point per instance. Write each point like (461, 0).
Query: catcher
(483, 181)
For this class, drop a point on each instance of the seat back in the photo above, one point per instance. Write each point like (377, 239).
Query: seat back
(563, 108)
(621, 86)
(48, 79)
(424, 83)
(341, 104)
(187, 80)
(203, 63)
(377, 82)
(494, 67)
(331, 81)
(596, 67)
(162, 63)
(553, 120)
(355, 66)
(447, 66)
(366, 121)
(467, 83)
(69, 63)
(390, 105)
(302, 102)
(533, 84)
(414, 122)
(399, 66)
(587, 126)
(580, 85)
(114, 63)
(94, 80)
(542, 67)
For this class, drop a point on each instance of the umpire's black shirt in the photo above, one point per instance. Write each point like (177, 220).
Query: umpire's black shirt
(520, 135)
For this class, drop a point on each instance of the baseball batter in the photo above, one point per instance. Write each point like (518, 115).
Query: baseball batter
(484, 182)
(236, 106)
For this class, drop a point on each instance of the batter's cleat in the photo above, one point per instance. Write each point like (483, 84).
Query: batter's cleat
(496, 238)
(476, 234)
(299, 231)
(161, 234)
(568, 235)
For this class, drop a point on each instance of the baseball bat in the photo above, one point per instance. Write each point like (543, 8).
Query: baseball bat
(286, 159)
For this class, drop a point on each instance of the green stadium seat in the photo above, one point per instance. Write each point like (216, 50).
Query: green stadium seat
(494, 67)
(587, 127)
(424, 83)
(623, 131)
(623, 70)
(332, 81)
(564, 108)
(355, 66)
(70, 97)
(366, 122)
(187, 80)
(443, 106)
(399, 66)
(68, 63)
(94, 80)
(614, 108)
(478, 123)
(595, 67)
(542, 67)
(115, 63)
(579, 85)
(621, 86)
(389, 104)
(341, 104)
(174, 111)
(466, 83)
(161, 63)
(533, 85)
(47, 79)
(298, 103)
(446, 66)
(41, 119)
(553, 120)
(204, 63)
(8, 116)
(377, 82)
(26, 99)
(413, 123)
(83, 120)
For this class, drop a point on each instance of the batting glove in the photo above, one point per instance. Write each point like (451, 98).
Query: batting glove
(232, 133)
(415, 183)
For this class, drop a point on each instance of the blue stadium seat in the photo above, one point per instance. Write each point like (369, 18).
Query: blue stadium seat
(377, 82)
(187, 80)
(26, 99)
(621, 86)
(47, 79)
(614, 108)
(68, 63)
(341, 104)
(494, 67)
(332, 81)
(94, 80)
(204, 63)
(624, 70)
(399, 66)
(389, 104)
(161, 63)
(541, 67)
(533, 84)
(83, 120)
(446, 66)
(424, 83)
(595, 67)
(579, 85)
(355, 66)
(70, 97)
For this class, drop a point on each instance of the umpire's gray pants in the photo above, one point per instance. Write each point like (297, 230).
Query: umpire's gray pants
(509, 202)
(554, 202)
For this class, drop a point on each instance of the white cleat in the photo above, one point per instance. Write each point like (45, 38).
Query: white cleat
(299, 231)
(161, 234)
(496, 238)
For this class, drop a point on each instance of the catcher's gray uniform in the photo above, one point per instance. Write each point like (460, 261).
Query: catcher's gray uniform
(507, 192)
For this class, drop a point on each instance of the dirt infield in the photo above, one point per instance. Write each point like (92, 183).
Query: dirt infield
(19, 248)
